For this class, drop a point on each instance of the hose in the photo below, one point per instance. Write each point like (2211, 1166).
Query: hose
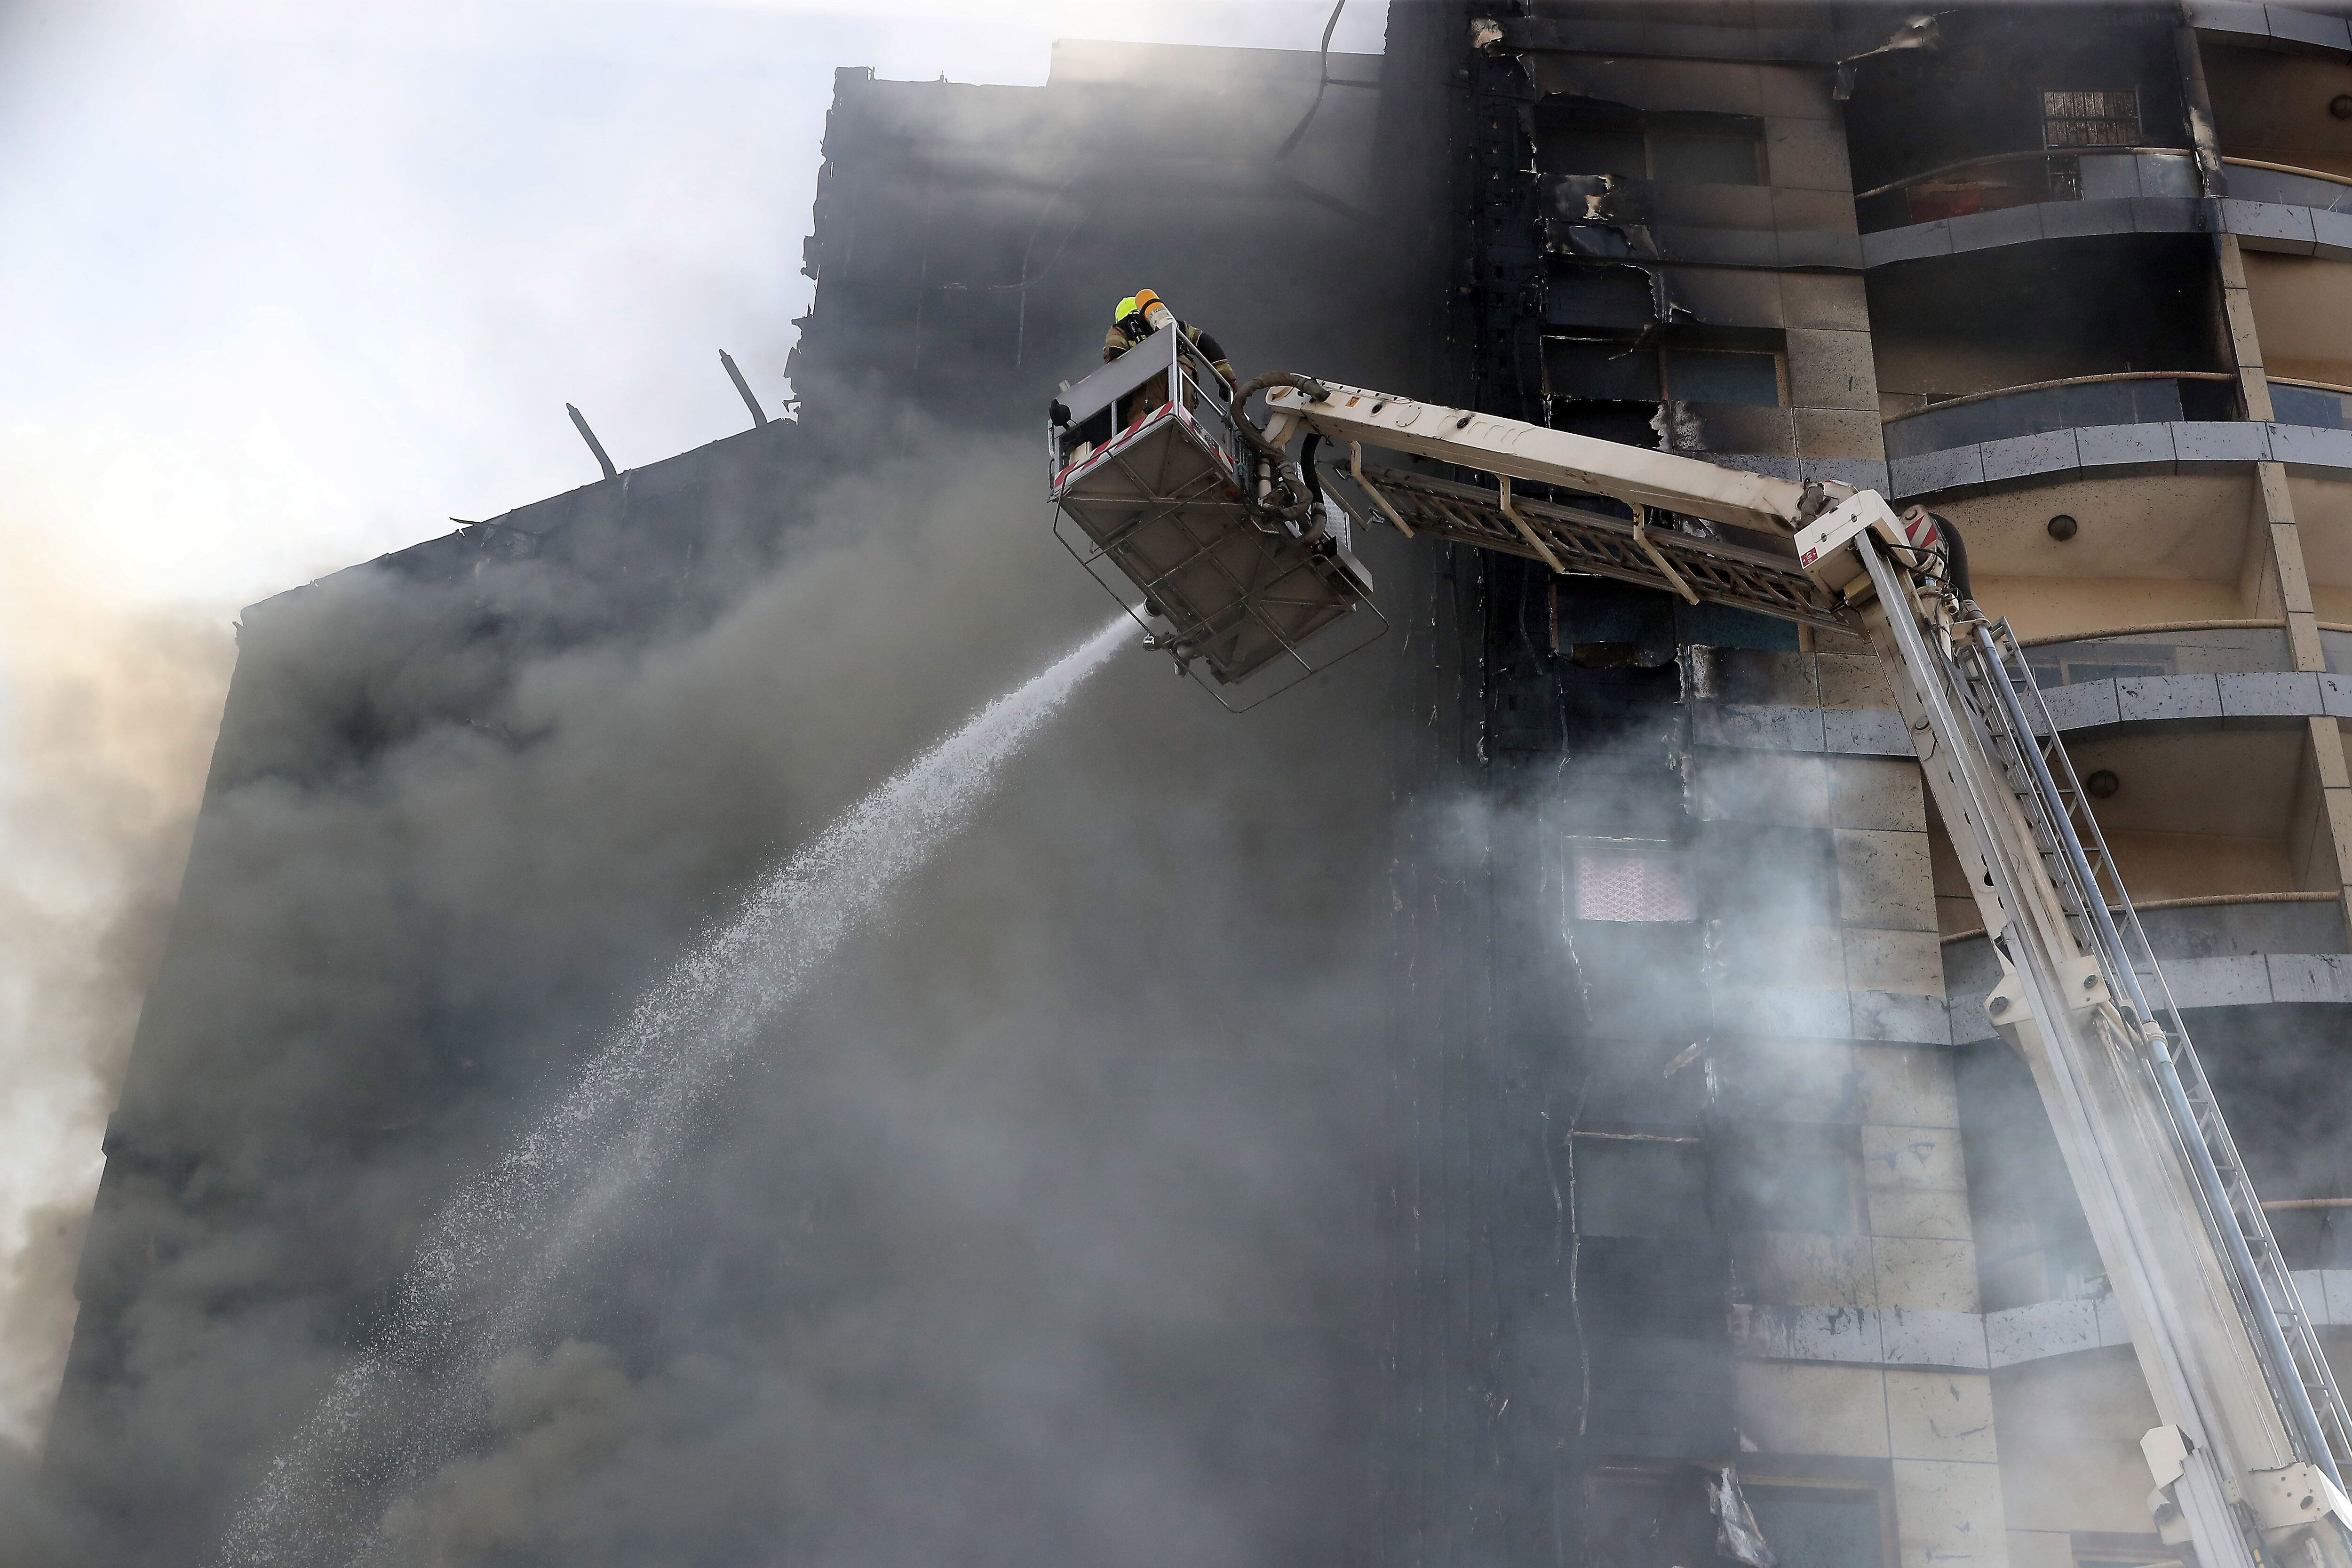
(1275, 457)
(1315, 390)
(1956, 553)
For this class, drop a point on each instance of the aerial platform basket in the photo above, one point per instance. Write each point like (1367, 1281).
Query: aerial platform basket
(1150, 477)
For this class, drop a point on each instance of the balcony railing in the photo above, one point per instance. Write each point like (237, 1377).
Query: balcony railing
(2197, 647)
(2250, 180)
(2336, 647)
(2228, 925)
(2201, 648)
(2138, 398)
(2317, 403)
(2006, 180)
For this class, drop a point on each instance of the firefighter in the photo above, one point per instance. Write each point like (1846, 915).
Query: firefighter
(1138, 316)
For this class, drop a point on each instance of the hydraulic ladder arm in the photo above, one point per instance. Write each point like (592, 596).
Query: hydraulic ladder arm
(2247, 1461)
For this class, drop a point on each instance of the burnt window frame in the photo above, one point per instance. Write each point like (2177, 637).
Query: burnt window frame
(1658, 355)
(1687, 1149)
(1779, 358)
(2138, 119)
(1599, 120)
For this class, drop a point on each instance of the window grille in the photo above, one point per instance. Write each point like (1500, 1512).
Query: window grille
(2090, 119)
(1617, 885)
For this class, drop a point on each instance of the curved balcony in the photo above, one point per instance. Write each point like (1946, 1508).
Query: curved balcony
(2002, 182)
(2283, 184)
(2292, 211)
(2236, 951)
(2015, 198)
(2076, 403)
(2209, 647)
(2314, 404)
(2145, 420)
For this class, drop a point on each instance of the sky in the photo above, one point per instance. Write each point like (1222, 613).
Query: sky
(285, 286)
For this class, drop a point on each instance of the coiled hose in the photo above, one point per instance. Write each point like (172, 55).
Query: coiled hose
(1301, 491)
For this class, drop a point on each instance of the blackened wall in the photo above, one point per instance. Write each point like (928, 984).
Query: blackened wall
(1045, 1236)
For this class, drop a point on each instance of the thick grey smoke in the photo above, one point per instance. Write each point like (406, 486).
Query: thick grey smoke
(1041, 1226)
(556, 1419)
(482, 1277)
(105, 720)
(1043, 1137)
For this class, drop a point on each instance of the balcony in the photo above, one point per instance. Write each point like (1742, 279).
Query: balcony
(2159, 651)
(2314, 404)
(2246, 951)
(2005, 181)
(2282, 185)
(2077, 403)
(2142, 421)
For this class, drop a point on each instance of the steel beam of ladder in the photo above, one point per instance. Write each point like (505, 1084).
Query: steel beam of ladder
(2075, 857)
(1582, 542)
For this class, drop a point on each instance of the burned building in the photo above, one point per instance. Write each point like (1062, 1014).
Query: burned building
(1775, 1197)
(1525, 1076)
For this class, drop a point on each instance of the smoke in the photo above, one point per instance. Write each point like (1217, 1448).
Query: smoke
(1039, 1229)
(1003, 1181)
(556, 1419)
(107, 713)
(507, 1239)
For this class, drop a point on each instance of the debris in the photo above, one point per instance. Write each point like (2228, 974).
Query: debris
(1736, 1533)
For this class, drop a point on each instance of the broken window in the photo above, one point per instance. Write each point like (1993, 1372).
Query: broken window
(1613, 371)
(1622, 298)
(1619, 152)
(1601, 371)
(1701, 155)
(1586, 138)
(1632, 885)
(1790, 1176)
(1711, 375)
(2080, 119)
(1633, 1184)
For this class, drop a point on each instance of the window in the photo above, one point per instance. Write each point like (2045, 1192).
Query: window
(1704, 156)
(1650, 1521)
(1621, 153)
(1818, 1526)
(1790, 1176)
(1606, 369)
(2090, 119)
(1632, 885)
(1631, 1184)
(1661, 1520)
(2103, 1551)
(1602, 371)
(1678, 150)
(1707, 375)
